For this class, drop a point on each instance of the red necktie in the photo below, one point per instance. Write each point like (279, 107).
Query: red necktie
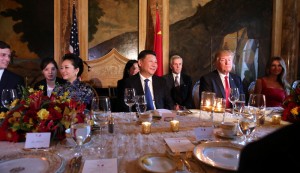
(227, 92)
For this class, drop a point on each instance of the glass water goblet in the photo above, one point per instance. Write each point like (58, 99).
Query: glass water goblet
(257, 106)
(141, 103)
(239, 105)
(233, 97)
(246, 124)
(129, 98)
(7, 97)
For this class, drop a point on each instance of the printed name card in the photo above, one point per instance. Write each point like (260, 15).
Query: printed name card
(101, 166)
(204, 133)
(179, 144)
(37, 140)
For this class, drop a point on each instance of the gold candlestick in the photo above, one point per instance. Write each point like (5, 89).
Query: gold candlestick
(174, 124)
(146, 127)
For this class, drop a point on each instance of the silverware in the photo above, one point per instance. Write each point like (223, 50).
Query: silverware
(75, 164)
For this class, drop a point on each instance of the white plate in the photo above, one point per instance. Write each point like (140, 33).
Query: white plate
(223, 135)
(157, 163)
(220, 154)
(31, 162)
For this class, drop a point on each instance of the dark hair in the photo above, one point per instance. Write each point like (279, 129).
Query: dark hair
(128, 65)
(76, 62)
(144, 53)
(46, 61)
(4, 45)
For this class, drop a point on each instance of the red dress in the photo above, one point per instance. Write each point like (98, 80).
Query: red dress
(274, 96)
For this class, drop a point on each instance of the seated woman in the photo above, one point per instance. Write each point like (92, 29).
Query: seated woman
(49, 69)
(71, 69)
(131, 68)
(274, 85)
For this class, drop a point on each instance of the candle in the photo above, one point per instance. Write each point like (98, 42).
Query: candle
(174, 125)
(146, 127)
(220, 105)
(276, 119)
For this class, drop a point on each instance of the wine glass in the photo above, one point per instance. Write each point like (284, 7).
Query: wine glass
(7, 97)
(247, 124)
(233, 97)
(101, 110)
(257, 106)
(141, 104)
(239, 105)
(80, 133)
(129, 98)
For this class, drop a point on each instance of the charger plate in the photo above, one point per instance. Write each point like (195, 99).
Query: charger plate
(220, 154)
(31, 162)
(157, 163)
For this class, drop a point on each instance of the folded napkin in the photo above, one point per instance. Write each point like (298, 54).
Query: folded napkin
(179, 144)
(101, 166)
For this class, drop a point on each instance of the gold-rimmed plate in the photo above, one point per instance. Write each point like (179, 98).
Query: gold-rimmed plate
(31, 162)
(220, 154)
(157, 163)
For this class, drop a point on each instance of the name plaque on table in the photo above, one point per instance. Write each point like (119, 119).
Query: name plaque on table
(101, 166)
(37, 140)
(204, 133)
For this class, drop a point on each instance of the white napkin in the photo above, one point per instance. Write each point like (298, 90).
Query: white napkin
(101, 166)
(179, 144)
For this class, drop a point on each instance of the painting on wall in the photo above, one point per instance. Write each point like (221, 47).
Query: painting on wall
(113, 24)
(210, 25)
(27, 26)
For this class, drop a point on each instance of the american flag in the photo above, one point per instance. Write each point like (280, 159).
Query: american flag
(74, 42)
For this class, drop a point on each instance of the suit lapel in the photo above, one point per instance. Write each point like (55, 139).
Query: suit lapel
(156, 87)
(139, 85)
(220, 84)
(4, 80)
(231, 81)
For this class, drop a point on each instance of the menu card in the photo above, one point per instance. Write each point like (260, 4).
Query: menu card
(37, 140)
(101, 166)
(204, 133)
(179, 144)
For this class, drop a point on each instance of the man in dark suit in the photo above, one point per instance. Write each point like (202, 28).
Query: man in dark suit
(8, 80)
(155, 85)
(276, 152)
(179, 84)
(217, 80)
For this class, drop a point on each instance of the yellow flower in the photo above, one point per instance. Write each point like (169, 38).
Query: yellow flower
(41, 87)
(294, 111)
(14, 103)
(31, 90)
(43, 114)
(2, 115)
(17, 114)
(58, 109)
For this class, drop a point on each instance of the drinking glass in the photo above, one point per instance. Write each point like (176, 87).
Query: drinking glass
(80, 133)
(141, 103)
(129, 98)
(101, 110)
(7, 97)
(257, 106)
(239, 105)
(247, 124)
(233, 97)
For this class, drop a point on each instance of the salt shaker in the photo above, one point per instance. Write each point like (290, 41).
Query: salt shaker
(111, 124)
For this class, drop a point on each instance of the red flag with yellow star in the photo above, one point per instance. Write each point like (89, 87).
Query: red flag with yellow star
(158, 46)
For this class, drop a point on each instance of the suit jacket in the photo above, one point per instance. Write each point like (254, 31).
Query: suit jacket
(10, 80)
(121, 107)
(44, 83)
(276, 152)
(161, 96)
(212, 82)
(181, 95)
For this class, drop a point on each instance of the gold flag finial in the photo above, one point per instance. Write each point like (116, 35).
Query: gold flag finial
(156, 6)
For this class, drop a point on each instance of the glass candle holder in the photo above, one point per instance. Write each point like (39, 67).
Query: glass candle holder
(146, 127)
(174, 124)
(207, 101)
(219, 105)
(276, 119)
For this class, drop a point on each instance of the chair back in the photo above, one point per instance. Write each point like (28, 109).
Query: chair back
(196, 95)
(296, 84)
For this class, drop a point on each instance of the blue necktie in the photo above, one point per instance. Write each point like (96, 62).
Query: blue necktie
(148, 96)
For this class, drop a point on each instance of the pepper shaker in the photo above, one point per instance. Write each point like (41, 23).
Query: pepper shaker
(111, 124)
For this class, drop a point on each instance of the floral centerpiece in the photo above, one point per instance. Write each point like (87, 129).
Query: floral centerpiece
(291, 106)
(35, 112)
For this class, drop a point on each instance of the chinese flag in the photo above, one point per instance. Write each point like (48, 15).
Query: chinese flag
(158, 46)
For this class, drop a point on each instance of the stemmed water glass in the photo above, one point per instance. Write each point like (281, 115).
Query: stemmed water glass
(257, 106)
(129, 98)
(247, 124)
(101, 110)
(233, 97)
(239, 105)
(141, 104)
(7, 97)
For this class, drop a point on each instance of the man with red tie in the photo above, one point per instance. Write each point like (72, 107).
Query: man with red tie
(221, 80)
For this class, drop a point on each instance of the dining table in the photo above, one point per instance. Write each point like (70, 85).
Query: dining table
(127, 144)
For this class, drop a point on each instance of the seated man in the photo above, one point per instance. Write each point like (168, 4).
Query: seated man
(148, 84)
(221, 80)
(277, 152)
(179, 84)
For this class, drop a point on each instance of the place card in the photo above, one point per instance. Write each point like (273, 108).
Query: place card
(101, 166)
(204, 133)
(37, 140)
(179, 144)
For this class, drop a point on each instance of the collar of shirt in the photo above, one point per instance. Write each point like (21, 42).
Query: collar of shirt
(1, 73)
(222, 76)
(174, 75)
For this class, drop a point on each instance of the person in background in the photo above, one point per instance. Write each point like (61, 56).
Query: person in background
(8, 79)
(276, 152)
(49, 69)
(273, 85)
(148, 84)
(71, 69)
(179, 84)
(131, 68)
(215, 81)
